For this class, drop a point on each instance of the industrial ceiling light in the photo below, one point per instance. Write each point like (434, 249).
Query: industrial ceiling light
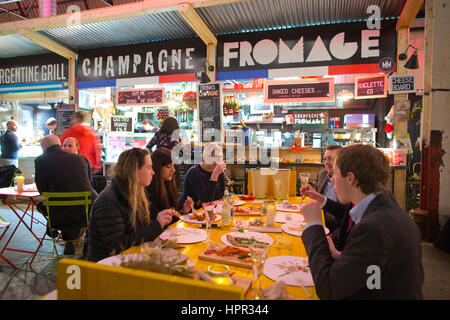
(345, 95)
(202, 76)
(413, 61)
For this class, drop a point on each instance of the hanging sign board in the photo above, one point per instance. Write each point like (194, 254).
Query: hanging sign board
(210, 110)
(367, 87)
(140, 97)
(299, 90)
(121, 124)
(402, 84)
(64, 114)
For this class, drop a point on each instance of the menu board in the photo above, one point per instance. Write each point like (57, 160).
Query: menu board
(402, 84)
(121, 124)
(368, 87)
(209, 109)
(316, 90)
(64, 114)
(139, 97)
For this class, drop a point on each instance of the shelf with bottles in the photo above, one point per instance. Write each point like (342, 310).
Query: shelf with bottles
(231, 106)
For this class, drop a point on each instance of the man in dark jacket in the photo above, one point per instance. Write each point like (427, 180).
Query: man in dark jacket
(382, 255)
(59, 171)
(326, 187)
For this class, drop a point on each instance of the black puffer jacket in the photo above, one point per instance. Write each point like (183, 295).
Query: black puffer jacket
(110, 230)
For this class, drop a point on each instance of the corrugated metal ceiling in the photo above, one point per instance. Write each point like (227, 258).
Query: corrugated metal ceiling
(246, 16)
(155, 27)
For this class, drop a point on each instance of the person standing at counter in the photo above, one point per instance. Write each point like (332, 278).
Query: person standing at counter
(205, 182)
(89, 142)
(166, 136)
(10, 145)
(51, 125)
(382, 255)
(147, 127)
(162, 191)
(121, 215)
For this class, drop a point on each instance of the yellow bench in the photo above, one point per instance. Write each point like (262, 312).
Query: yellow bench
(83, 280)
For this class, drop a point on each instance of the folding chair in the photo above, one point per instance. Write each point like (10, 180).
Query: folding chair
(5, 225)
(80, 199)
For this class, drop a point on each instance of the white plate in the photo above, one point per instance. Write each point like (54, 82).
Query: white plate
(248, 234)
(280, 217)
(116, 260)
(280, 207)
(184, 235)
(187, 218)
(298, 233)
(285, 268)
(239, 202)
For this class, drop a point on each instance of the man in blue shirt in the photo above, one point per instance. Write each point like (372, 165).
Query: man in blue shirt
(382, 255)
(10, 145)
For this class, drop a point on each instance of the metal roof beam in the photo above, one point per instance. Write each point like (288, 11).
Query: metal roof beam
(116, 12)
(409, 13)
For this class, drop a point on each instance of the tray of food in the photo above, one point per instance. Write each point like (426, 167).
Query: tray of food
(231, 255)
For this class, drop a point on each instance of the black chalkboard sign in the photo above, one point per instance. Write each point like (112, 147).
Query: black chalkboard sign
(64, 114)
(209, 108)
(308, 139)
(299, 91)
(139, 97)
(121, 124)
(402, 84)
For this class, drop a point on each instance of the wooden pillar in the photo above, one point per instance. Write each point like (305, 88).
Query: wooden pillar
(401, 126)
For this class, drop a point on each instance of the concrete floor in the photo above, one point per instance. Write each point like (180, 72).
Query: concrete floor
(35, 282)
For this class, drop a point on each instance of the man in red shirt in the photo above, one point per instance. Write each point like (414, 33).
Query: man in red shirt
(89, 142)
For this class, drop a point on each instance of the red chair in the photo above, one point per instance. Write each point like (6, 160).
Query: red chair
(5, 225)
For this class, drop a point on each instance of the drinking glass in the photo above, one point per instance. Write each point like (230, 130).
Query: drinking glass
(304, 177)
(258, 256)
(209, 210)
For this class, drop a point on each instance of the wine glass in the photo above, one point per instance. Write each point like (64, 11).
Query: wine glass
(304, 177)
(208, 209)
(258, 256)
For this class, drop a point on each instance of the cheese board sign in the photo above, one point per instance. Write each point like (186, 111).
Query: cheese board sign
(402, 84)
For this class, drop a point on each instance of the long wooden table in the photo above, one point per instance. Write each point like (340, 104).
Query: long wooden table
(284, 245)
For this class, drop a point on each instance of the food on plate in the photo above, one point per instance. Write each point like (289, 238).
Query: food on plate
(200, 216)
(286, 204)
(241, 254)
(246, 242)
(256, 222)
(242, 210)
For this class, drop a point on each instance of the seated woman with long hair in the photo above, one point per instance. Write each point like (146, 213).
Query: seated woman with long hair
(121, 215)
(163, 189)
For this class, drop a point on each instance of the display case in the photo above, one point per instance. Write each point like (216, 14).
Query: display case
(116, 143)
(30, 151)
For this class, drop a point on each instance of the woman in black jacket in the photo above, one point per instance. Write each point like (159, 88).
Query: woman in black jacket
(163, 189)
(121, 215)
